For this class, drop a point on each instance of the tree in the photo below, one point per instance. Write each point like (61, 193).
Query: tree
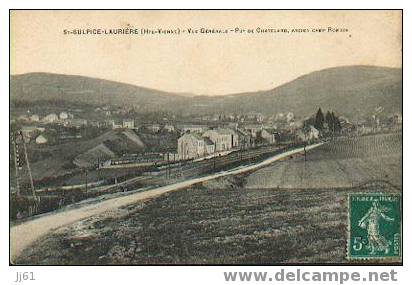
(319, 120)
(336, 124)
(333, 122)
(330, 120)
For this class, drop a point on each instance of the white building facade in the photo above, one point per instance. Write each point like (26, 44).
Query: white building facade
(191, 146)
(223, 139)
(128, 124)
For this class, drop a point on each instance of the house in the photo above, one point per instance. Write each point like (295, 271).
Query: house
(279, 117)
(77, 123)
(313, 133)
(69, 136)
(51, 118)
(128, 123)
(309, 134)
(397, 118)
(154, 128)
(253, 129)
(364, 129)
(169, 128)
(209, 146)
(206, 118)
(260, 118)
(63, 116)
(34, 118)
(192, 128)
(233, 125)
(295, 125)
(41, 139)
(230, 117)
(268, 136)
(245, 139)
(346, 125)
(191, 145)
(253, 116)
(290, 117)
(23, 118)
(116, 124)
(96, 124)
(216, 117)
(224, 139)
(301, 136)
(28, 132)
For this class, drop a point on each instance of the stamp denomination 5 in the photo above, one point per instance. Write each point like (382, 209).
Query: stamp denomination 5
(374, 226)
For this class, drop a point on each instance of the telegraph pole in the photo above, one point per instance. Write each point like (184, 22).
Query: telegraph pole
(29, 171)
(86, 179)
(304, 150)
(168, 166)
(16, 166)
(241, 148)
(34, 206)
(214, 160)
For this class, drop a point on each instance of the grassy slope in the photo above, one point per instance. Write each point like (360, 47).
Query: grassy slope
(228, 226)
(205, 225)
(341, 163)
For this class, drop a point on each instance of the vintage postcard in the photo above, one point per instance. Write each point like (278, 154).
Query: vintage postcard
(159, 137)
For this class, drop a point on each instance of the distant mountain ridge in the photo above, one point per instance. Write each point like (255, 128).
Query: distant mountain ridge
(49, 86)
(350, 90)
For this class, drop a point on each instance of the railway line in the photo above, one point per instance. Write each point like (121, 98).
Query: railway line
(51, 199)
(24, 234)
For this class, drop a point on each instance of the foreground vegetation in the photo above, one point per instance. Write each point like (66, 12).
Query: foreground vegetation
(208, 226)
(224, 222)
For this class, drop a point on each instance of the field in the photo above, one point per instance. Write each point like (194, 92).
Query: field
(55, 165)
(56, 160)
(223, 222)
(203, 226)
(344, 162)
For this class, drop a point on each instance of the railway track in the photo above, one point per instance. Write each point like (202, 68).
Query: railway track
(51, 199)
(24, 234)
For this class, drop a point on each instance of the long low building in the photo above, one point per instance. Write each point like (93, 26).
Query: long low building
(193, 145)
(224, 139)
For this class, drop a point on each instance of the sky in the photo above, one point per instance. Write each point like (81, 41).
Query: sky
(207, 64)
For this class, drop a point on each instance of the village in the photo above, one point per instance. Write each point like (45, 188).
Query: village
(194, 136)
(80, 150)
(184, 138)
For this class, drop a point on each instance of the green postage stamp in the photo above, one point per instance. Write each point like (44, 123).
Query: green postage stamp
(374, 226)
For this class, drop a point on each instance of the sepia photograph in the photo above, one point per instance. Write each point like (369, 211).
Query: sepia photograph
(206, 137)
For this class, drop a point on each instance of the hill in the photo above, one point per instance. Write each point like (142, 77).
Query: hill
(51, 87)
(350, 90)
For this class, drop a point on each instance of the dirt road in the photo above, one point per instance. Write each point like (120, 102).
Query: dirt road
(22, 235)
